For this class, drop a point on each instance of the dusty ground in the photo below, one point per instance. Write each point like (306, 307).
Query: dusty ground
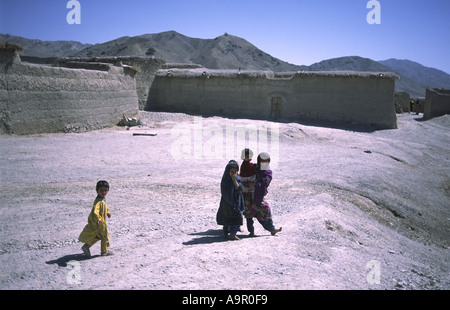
(359, 210)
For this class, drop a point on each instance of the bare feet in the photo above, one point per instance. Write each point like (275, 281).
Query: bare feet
(233, 237)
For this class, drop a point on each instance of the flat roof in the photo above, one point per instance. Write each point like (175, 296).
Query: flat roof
(233, 73)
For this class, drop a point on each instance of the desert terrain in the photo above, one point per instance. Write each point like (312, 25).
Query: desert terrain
(359, 209)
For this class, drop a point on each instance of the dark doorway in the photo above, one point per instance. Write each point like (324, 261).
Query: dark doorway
(275, 111)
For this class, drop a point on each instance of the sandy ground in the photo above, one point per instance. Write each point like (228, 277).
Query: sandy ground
(359, 209)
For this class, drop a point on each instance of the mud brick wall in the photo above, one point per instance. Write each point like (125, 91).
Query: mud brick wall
(359, 98)
(43, 99)
(146, 70)
(437, 102)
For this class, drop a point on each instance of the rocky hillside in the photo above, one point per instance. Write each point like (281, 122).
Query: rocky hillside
(412, 81)
(419, 73)
(223, 52)
(38, 48)
(231, 52)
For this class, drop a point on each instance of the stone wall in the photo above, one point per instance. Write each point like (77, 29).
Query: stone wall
(338, 97)
(437, 102)
(43, 99)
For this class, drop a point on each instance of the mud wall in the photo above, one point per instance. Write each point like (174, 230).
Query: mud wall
(146, 70)
(402, 102)
(338, 97)
(437, 103)
(43, 99)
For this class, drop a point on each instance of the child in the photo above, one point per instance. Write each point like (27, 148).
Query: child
(232, 202)
(97, 229)
(248, 176)
(260, 208)
(248, 172)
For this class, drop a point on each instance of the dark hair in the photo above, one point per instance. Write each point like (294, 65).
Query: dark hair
(102, 184)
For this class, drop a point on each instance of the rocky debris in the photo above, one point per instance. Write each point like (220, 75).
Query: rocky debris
(75, 128)
(129, 121)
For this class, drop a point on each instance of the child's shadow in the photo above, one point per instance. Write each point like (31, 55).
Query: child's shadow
(62, 261)
(211, 236)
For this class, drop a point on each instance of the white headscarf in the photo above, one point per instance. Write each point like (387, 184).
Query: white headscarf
(264, 156)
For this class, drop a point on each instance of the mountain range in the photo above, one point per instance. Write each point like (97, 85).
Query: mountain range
(230, 52)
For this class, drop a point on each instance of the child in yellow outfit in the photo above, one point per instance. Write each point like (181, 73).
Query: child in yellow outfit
(97, 229)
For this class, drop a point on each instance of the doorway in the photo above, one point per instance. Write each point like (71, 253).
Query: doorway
(275, 110)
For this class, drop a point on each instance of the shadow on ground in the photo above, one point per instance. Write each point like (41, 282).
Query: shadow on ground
(212, 236)
(62, 261)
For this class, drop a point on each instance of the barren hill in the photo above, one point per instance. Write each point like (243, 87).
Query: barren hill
(224, 52)
(351, 63)
(411, 81)
(426, 76)
(38, 48)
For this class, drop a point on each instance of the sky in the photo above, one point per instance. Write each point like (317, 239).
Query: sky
(300, 32)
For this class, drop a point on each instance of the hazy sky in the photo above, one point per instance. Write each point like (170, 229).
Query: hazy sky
(301, 32)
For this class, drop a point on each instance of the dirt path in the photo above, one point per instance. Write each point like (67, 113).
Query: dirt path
(359, 210)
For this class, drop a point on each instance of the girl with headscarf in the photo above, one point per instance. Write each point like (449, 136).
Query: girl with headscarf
(260, 208)
(232, 202)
